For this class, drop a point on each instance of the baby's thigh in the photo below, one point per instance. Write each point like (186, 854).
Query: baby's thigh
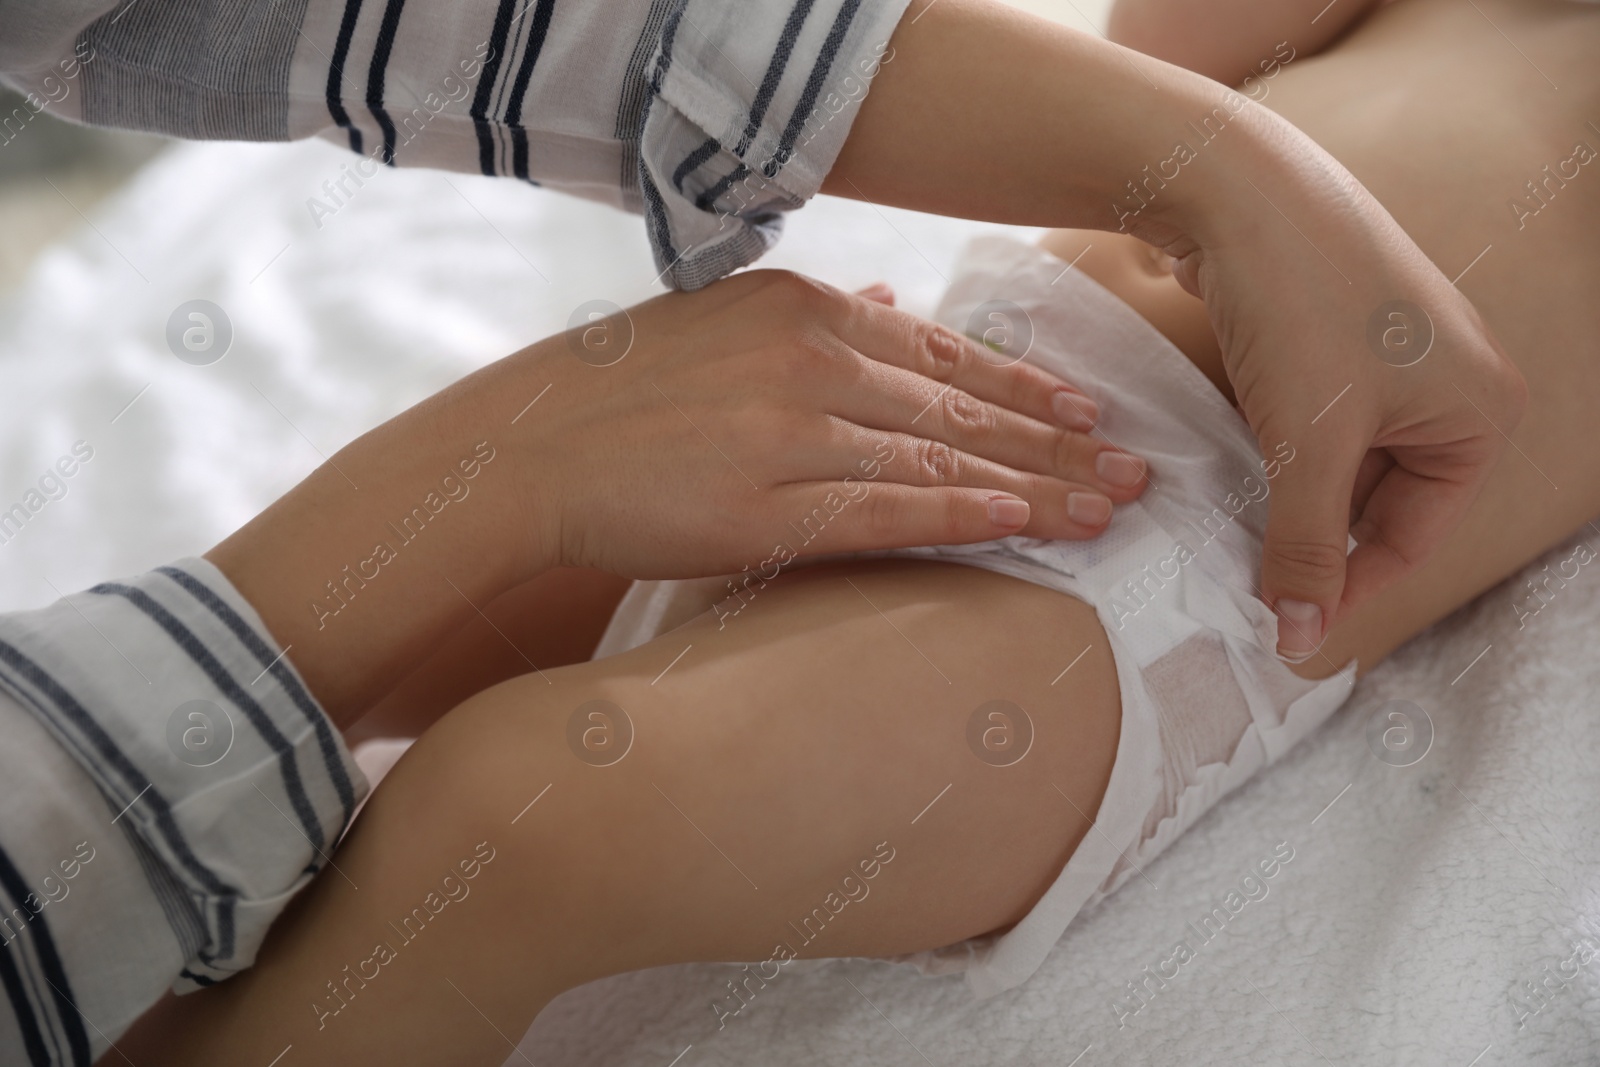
(852, 711)
(869, 759)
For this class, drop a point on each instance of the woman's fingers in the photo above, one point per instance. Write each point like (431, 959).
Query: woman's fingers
(1430, 385)
(1060, 508)
(936, 352)
(1304, 549)
(856, 516)
(1374, 466)
(736, 397)
(1422, 495)
(903, 401)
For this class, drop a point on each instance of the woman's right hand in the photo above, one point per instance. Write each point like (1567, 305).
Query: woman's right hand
(1296, 262)
(768, 415)
(1341, 338)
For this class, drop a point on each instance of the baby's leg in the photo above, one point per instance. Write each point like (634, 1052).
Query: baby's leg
(823, 733)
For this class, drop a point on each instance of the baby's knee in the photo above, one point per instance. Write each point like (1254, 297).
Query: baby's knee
(453, 784)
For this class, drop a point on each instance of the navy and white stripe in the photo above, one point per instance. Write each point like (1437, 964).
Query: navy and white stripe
(120, 779)
(378, 71)
(273, 662)
(214, 851)
(710, 117)
(192, 68)
(819, 70)
(336, 75)
(538, 32)
(484, 96)
(656, 219)
(35, 981)
(725, 192)
(187, 643)
(635, 90)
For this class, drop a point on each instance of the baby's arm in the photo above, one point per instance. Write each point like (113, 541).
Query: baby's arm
(1229, 40)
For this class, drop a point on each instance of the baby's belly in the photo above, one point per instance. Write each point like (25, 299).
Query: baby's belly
(1448, 110)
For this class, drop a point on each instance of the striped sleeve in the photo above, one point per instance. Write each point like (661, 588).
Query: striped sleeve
(711, 118)
(177, 704)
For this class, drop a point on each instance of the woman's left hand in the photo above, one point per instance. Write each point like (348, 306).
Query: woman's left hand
(762, 418)
(771, 416)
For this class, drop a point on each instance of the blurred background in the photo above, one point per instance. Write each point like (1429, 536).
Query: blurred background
(51, 172)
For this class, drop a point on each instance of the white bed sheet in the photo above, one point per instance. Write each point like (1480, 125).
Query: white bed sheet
(1417, 905)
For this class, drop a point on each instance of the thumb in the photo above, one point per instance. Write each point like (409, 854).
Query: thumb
(1303, 557)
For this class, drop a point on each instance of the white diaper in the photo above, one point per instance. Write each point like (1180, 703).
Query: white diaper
(1205, 702)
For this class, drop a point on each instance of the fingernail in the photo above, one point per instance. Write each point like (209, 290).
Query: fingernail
(1119, 469)
(1008, 513)
(1088, 509)
(1299, 629)
(1074, 410)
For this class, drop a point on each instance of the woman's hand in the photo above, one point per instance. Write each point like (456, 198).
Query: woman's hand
(762, 418)
(1296, 262)
(1343, 339)
(770, 416)
(1408, 444)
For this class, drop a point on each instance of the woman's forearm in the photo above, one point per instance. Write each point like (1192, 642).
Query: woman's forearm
(758, 420)
(986, 112)
(367, 565)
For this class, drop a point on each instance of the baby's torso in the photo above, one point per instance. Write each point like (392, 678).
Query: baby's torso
(1477, 124)
(1446, 109)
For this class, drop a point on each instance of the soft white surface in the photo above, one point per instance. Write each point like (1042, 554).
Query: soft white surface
(1414, 906)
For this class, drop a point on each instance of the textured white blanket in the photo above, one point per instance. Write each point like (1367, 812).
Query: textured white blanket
(1430, 914)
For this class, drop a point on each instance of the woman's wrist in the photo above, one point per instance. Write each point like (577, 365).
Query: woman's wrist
(1048, 126)
(1238, 173)
(399, 538)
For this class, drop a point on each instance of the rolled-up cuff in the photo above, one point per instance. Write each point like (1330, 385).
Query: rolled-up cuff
(171, 694)
(750, 102)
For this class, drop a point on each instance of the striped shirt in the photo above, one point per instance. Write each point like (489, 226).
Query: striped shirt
(709, 117)
(167, 784)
